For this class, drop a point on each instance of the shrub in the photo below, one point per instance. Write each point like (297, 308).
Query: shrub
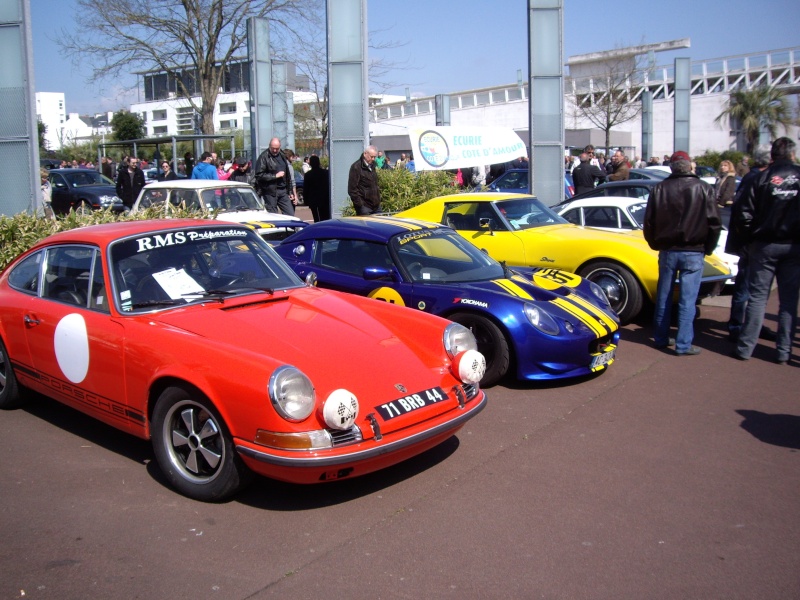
(401, 189)
(20, 232)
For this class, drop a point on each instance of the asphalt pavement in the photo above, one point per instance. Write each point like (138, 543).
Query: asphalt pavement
(663, 478)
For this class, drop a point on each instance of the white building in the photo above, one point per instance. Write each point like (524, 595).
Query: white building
(50, 108)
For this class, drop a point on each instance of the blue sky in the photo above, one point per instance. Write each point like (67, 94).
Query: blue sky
(467, 44)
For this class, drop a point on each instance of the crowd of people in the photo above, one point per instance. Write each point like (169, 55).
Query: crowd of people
(682, 222)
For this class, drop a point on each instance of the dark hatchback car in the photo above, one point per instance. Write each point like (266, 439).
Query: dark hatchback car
(82, 190)
(516, 181)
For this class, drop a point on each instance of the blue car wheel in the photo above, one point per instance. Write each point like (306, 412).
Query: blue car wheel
(491, 343)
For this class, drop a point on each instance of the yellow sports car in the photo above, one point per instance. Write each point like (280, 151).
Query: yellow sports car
(522, 231)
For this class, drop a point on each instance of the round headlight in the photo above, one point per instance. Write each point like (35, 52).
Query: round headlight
(291, 393)
(457, 339)
(541, 319)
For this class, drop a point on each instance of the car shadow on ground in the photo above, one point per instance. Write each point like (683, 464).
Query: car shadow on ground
(90, 429)
(778, 429)
(274, 495)
(263, 493)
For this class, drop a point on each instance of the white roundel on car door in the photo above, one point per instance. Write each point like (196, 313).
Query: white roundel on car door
(72, 347)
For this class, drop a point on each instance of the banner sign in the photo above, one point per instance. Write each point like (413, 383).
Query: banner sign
(444, 148)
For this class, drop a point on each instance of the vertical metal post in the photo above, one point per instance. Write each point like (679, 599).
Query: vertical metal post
(682, 103)
(442, 110)
(280, 109)
(348, 102)
(260, 85)
(647, 125)
(546, 122)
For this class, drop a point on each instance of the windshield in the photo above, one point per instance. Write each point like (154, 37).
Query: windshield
(441, 256)
(231, 199)
(170, 268)
(85, 178)
(526, 213)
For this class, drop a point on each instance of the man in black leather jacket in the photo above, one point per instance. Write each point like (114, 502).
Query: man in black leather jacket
(273, 179)
(769, 219)
(682, 222)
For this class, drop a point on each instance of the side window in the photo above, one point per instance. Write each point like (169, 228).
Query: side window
(461, 216)
(353, 256)
(25, 276)
(152, 197)
(68, 275)
(573, 216)
(640, 192)
(601, 216)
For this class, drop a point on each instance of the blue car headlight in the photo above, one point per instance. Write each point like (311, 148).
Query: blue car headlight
(541, 319)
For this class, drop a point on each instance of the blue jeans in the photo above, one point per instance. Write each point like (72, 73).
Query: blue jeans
(741, 294)
(768, 261)
(688, 267)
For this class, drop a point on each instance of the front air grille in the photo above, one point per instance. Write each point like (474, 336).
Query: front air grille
(347, 436)
(596, 345)
(471, 390)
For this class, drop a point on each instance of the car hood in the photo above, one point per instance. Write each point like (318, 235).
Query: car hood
(336, 339)
(567, 233)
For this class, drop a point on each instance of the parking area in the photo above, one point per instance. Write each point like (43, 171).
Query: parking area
(665, 477)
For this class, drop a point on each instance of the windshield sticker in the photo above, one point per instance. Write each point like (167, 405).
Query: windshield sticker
(176, 238)
(412, 236)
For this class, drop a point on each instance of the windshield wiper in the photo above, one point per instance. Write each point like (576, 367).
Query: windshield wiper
(212, 294)
(167, 302)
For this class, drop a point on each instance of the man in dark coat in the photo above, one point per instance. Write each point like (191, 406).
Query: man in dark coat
(130, 182)
(317, 190)
(274, 178)
(585, 176)
(362, 184)
(682, 223)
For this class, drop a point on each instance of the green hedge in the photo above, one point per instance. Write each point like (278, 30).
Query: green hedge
(20, 232)
(400, 190)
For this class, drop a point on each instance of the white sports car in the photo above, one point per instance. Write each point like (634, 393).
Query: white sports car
(620, 213)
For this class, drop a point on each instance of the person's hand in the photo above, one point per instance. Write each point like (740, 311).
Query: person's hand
(279, 174)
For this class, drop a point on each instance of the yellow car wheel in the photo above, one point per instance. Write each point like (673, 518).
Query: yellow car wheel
(619, 285)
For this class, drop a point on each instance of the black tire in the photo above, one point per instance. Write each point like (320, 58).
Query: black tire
(620, 286)
(9, 388)
(300, 199)
(83, 208)
(194, 448)
(491, 343)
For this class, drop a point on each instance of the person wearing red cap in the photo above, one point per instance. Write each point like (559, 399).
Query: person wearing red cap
(682, 222)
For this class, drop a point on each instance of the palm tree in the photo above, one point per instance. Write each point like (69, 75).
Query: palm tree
(761, 107)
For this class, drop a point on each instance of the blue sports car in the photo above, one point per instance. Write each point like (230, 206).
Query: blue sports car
(534, 323)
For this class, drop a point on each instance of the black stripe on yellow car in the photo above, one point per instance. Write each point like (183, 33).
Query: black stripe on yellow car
(551, 279)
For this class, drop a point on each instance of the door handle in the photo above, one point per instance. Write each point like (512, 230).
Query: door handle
(30, 321)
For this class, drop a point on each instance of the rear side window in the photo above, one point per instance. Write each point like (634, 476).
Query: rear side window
(25, 276)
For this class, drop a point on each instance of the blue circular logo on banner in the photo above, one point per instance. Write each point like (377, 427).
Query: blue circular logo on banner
(434, 148)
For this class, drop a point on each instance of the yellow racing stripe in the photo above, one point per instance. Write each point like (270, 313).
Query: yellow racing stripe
(512, 288)
(595, 310)
(580, 314)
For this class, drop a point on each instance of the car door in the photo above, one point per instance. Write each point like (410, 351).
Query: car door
(60, 193)
(75, 345)
(340, 263)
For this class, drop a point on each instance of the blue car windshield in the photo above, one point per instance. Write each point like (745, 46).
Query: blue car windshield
(171, 268)
(526, 213)
(442, 256)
